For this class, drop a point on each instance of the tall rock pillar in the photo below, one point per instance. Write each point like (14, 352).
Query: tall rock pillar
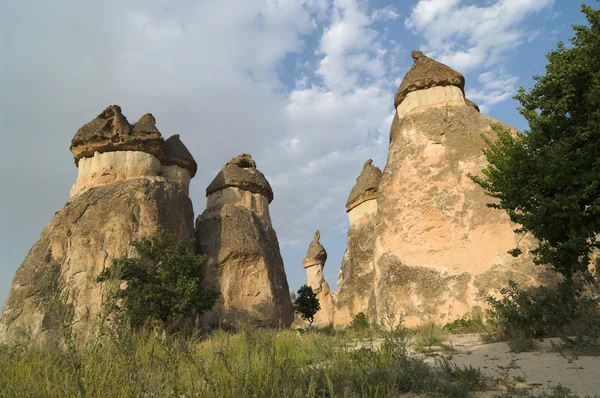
(130, 184)
(356, 279)
(314, 262)
(244, 263)
(438, 247)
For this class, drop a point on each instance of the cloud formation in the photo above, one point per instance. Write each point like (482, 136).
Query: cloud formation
(305, 86)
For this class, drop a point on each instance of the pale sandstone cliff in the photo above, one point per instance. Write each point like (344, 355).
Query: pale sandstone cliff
(123, 192)
(314, 262)
(437, 245)
(244, 263)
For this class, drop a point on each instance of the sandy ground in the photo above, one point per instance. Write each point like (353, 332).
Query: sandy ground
(537, 371)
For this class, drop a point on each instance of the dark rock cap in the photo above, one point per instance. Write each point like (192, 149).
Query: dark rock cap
(472, 104)
(426, 73)
(175, 152)
(316, 251)
(241, 172)
(366, 186)
(110, 131)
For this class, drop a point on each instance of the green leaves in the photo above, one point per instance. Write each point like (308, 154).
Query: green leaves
(548, 179)
(307, 304)
(164, 280)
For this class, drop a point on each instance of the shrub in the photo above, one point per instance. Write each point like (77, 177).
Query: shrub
(545, 311)
(466, 324)
(360, 322)
(164, 281)
(307, 304)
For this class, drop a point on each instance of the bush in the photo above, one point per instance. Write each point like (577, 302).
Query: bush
(164, 281)
(466, 324)
(360, 322)
(307, 304)
(545, 311)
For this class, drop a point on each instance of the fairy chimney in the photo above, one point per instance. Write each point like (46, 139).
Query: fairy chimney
(314, 262)
(244, 262)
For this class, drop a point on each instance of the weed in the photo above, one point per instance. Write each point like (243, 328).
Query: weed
(466, 324)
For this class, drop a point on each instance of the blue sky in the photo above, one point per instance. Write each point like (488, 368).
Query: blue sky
(305, 86)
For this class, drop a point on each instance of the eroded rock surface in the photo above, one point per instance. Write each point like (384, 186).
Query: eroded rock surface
(110, 131)
(244, 262)
(109, 149)
(356, 280)
(119, 197)
(437, 245)
(314, 262)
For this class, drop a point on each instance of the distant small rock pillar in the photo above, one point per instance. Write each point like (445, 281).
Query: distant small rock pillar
(314, 262)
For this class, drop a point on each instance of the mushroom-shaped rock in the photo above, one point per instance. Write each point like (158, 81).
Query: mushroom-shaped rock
(244, 263)
(316, 252)
(366, 185)
(240, 172)
(175, 152)
(110, 131)
(438, 249)
(426, 73)
(134, 195)
(314, 262)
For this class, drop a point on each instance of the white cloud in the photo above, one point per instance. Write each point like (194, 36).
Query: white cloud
(472, 37)
(209, 71)
(494, 87)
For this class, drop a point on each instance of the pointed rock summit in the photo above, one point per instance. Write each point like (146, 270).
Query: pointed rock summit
(427, 246)
(316, 252)
(123, 192)
(314, 262)
(244, 262)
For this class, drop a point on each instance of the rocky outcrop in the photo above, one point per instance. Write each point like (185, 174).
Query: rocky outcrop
(109, 149)
(110, 131)
(314, 262)
(438, 247)
(104, 214)
(244, 263)
(356, 280)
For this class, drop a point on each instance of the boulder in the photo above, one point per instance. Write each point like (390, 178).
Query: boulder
(244, 262)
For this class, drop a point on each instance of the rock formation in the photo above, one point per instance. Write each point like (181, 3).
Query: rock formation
(437, 248)
(437, 245)
(355, 283)
(130, 184)
(314, 263)
(244, 263)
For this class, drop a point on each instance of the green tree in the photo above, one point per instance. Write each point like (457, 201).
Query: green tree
(548, 179)
(307, 303)
(164, 281)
